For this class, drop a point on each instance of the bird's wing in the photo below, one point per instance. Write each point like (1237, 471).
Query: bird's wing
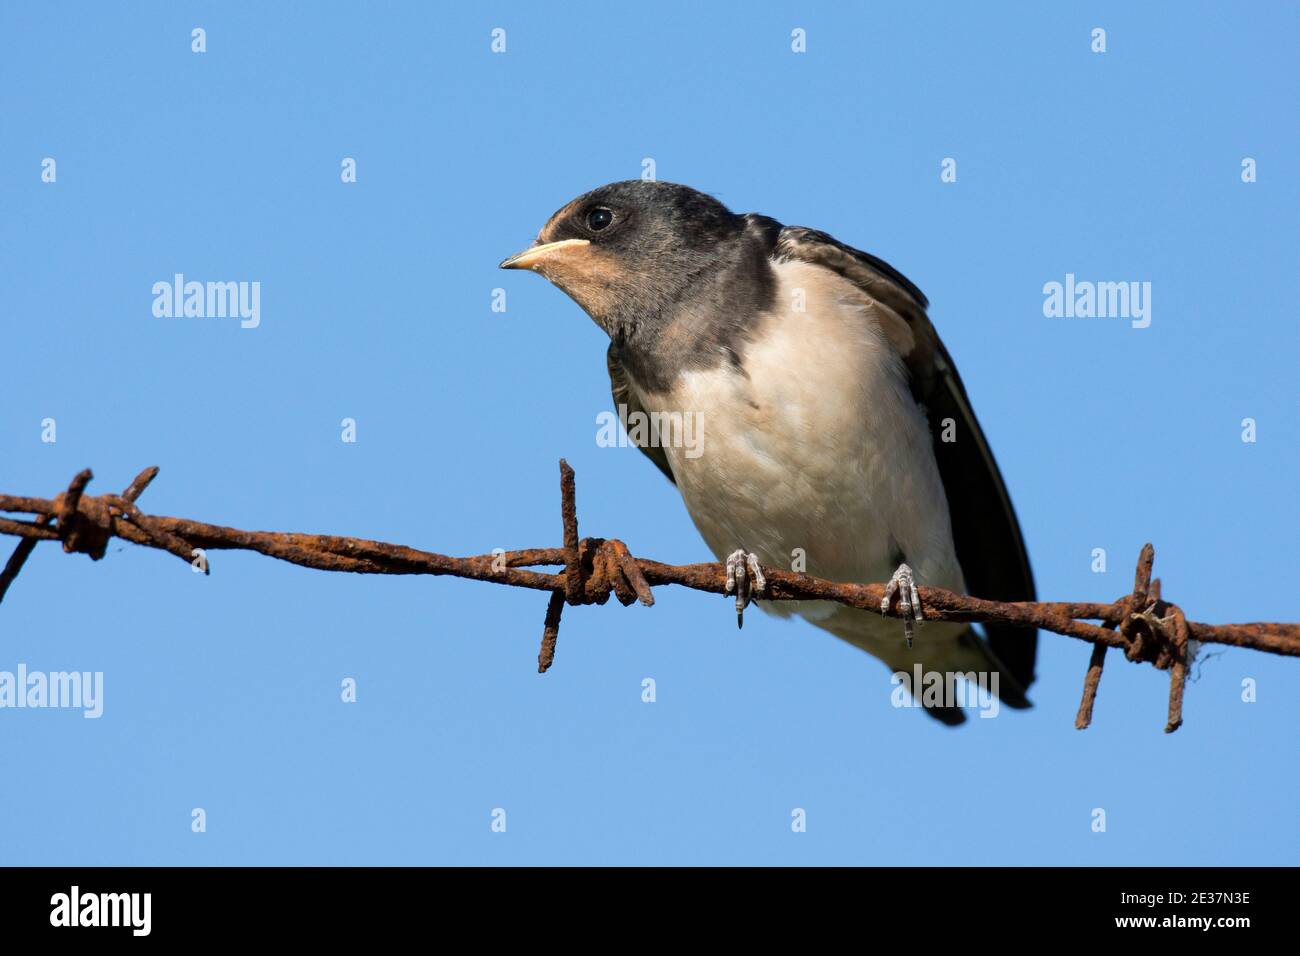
(985, 532)
(625, 397)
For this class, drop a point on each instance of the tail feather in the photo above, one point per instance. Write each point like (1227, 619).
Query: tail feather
(941, 647)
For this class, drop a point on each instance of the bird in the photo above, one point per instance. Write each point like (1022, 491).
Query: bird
(833, 422)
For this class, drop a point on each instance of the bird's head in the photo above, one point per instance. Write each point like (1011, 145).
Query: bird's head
(626, 252)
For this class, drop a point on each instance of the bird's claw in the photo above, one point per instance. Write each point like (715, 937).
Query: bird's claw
(745, 580)
(909, 600)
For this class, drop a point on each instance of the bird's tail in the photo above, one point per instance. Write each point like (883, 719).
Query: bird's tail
(949, 656)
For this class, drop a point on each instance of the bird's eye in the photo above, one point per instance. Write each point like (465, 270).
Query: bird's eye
(599, 218)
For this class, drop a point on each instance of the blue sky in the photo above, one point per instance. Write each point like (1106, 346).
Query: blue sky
(223, 693)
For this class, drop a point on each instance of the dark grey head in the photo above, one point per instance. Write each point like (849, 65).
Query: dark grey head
(631, 252)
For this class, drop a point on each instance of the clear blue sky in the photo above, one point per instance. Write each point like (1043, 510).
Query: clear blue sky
(223, 692)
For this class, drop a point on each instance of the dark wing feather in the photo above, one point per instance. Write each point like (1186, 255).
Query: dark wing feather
(984, 526)
(624, 397)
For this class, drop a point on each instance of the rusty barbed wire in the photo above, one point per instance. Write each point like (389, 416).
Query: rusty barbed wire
(1141, 624)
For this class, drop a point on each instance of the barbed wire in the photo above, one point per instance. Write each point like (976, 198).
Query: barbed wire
(1147, 628)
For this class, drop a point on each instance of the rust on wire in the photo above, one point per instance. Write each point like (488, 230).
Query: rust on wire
(1142, 587)
(1091, 681)
(1145, 627)
(593, 568)
(550, 632)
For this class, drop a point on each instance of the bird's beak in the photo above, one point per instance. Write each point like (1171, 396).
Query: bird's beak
(533, 255)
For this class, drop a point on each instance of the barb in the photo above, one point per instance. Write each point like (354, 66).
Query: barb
(1143, 625)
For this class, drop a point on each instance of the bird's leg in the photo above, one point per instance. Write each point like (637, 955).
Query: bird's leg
(909, 601)
(745, 579)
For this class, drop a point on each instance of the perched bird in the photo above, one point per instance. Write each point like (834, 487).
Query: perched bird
(833, 419)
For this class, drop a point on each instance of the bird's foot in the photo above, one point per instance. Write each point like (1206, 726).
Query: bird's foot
(744, 579)
(909, 601)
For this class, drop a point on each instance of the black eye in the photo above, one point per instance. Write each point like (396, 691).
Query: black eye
(599, 218)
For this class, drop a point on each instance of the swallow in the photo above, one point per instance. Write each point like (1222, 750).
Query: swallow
(835, 428)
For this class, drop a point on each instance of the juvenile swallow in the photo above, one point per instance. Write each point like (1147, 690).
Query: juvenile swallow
(834, 424)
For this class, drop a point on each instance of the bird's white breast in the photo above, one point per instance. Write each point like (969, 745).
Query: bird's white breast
(814, 445)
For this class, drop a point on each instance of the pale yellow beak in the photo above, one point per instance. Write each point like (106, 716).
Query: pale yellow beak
(530, 257)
